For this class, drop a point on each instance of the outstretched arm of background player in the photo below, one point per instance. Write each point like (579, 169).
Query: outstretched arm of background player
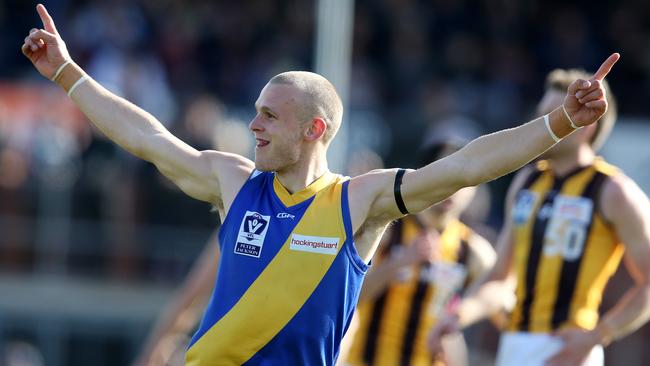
(627, 208)
(482, 160)
(184, 312)
(205, 175)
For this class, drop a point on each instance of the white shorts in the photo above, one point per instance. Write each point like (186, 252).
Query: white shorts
(533, 349)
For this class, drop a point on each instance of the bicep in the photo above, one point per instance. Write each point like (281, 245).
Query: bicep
(433, 183)
(204, 175)
(420, 188)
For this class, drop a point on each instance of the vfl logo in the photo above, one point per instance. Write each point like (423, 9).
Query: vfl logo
(284, 215)
(252, 232)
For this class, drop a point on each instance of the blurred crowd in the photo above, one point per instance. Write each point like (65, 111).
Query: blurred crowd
(199, 65)
(71, 201)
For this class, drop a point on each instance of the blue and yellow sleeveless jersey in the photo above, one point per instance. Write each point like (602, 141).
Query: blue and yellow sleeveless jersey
(289, 277)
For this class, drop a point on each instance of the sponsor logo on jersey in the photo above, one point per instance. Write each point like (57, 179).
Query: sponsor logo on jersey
(284, 215)
(314, 244)
(252, 232)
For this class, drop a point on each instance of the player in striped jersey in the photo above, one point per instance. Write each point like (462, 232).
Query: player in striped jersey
(425, 260)
(296, 238)
(571, 218)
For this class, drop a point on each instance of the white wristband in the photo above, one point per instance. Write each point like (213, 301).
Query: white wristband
(575, 127)
(60, 69)
(77, 83)
(548, 127)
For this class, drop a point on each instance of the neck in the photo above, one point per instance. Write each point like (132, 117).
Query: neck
(300, 175)
(582, 156)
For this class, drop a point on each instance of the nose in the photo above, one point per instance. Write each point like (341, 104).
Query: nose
(255, 124)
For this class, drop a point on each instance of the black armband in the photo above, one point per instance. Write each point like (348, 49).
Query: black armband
(397, 189)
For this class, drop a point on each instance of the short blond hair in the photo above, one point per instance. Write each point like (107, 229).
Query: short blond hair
(560, 79)
(321, 99)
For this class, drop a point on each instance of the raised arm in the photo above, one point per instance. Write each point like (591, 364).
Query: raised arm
(485, 158)
(209, 176)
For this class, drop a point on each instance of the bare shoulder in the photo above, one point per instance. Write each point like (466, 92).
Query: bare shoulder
(520, 178)
(626, 207)
(367, 196)
(374, 180)
(620, 193)
(229, 161)
(232, 171)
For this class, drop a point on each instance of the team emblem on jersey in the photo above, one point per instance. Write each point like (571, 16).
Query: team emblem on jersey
(523, 206)
(252, 232)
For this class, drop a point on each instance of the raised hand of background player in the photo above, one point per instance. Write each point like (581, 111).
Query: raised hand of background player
(576, 346)
(423, 249)
(585, 101)
(44, 47)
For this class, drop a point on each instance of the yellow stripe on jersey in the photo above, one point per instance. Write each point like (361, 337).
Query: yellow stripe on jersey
(289, 199)
(601, 259)
(523, 243)
(260, 313)
(451, 240)
(550, 267)
(384, 336)
(604, 248)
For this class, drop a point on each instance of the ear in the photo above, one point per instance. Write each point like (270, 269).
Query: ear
(316, 130)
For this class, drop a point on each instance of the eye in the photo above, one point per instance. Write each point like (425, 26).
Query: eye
(269, 115)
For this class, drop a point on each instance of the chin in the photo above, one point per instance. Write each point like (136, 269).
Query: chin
(263, 167)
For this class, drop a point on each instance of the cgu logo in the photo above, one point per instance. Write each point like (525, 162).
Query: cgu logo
(284, 215)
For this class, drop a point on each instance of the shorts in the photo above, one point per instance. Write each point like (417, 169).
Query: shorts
(533, 349)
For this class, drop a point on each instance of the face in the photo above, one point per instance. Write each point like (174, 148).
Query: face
(278, 132)
(453, 206)
(551, 100)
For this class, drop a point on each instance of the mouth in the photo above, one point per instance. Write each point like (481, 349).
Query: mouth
(261, 142)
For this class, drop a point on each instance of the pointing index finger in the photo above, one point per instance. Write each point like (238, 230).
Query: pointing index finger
(606, 67)
(48, 23)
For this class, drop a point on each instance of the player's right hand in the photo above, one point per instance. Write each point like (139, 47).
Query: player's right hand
(445, 325)
(424, 249)
(44, 47)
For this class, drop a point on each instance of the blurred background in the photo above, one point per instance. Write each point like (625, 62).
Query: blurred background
(93, 241)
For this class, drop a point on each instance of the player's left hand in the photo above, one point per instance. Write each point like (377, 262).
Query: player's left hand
(577, 344)
(586, 101)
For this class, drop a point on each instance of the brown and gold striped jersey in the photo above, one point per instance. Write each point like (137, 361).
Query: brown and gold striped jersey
(393, 327)
(564, 250)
